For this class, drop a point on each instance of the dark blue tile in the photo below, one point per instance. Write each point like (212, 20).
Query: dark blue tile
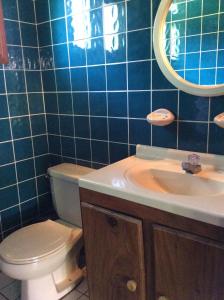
(61, 56)
(33, 80)
(46, 205)
(7, 175)
(29, 35)
(12, 32)
(57, 9)
(115, 46)
(36, 103)
(138, 14)
(192, 61)
(118, 130)
(116, 77)
(10, 218)
(51, 103)
(8, 197)
(209, 42)
(68, 146)
(46, 58)
(44, 34)
(80, 103)
(193, 136)
(42, 11)
(217, 106)
(139, 104)
(98, 104)
(43, 185)
(63, 80)
(97, 80)
(48, 81)
(193, 108)
(168, 100)
(26, 11)
(3, 107)
(66, 125)
(25, 169)
(99, 128)
(10, 9)
(95, 51)
(221, 59)
(159, 81)
(96, 22)
(139, 132)
(194, 9)
(2, 83)
(208, 59)
(79, 79)
(100, 152)
(15, 58)
(53, 124)
(18, 105)
(139, 45)
(210, 24)
(82, 127)
(216, 140)
(29, 210)
(54, 144)
(97, 3)
(83, 149)
(15, 81)
(193, 43)
(77, 55)
(165, 136)
(31, 58)
(42, 163)
(58, 31)
(65, 103)
(207, 76)
(23, 149)
(118, 152)
(38, 125)
(40, 145)
(27, 190)
(115, 18)
(20, 127)
(117, 104)
(139, 76)
(6, 153)
(5, 133)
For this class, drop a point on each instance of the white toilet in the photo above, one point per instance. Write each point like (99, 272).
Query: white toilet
(45, 255)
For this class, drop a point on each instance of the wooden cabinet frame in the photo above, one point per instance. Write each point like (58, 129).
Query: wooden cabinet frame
(3, 45)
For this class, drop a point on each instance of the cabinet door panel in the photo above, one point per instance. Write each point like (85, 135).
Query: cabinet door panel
(187, 267)
(114, 254)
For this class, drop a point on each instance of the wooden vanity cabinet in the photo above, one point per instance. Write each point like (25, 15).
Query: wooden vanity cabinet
(140, 253)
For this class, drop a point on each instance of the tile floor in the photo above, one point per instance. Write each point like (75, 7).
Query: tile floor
(10, 290)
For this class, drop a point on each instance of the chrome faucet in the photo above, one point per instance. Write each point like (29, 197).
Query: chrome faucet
(193, 165)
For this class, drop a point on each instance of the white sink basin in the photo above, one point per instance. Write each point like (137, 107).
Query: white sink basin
(163, 181)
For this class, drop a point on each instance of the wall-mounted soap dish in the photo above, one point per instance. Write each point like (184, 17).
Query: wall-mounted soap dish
(219, 120)
(160, 117)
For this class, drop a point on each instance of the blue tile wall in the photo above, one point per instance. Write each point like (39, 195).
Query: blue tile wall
(81, 79)
(24, 153)
(101, 79)
(193, 40)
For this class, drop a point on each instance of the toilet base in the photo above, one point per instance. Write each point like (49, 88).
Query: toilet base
(44, 288)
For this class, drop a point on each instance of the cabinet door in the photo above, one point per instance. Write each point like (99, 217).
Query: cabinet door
(187, 267)
(114, 255)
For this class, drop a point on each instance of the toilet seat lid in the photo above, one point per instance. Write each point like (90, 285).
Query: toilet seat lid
(36, 241)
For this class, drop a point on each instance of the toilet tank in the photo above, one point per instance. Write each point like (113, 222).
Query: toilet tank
(65, 191)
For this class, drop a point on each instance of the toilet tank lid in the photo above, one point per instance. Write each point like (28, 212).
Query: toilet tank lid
(69, 172)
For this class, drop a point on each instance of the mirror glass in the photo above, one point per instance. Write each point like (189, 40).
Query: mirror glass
(194, 40)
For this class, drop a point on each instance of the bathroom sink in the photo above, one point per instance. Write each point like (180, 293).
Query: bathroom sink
(166, 181)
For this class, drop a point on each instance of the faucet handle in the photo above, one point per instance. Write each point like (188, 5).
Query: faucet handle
(194, 159)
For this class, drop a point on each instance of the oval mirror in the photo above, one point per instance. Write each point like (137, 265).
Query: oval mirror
(188, 43)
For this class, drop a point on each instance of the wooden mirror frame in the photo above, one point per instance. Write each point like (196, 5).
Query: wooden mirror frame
(164, 64)
(3, 45)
